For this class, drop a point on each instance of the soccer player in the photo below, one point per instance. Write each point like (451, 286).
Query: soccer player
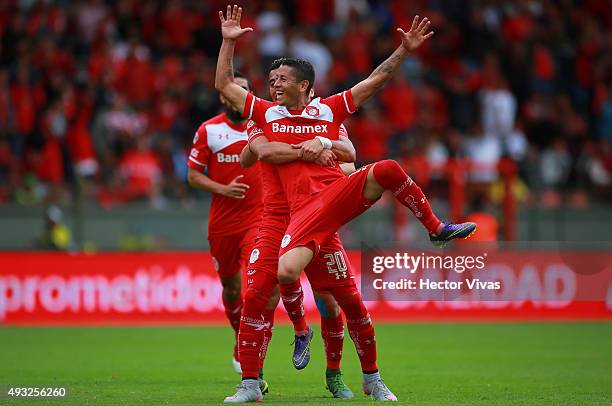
(236, 205)
(264, 261)
(323, 200)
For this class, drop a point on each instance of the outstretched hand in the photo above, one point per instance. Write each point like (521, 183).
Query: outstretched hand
(230, 25)
(412, 39)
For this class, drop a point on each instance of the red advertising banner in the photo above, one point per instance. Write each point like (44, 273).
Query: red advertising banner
(183, 288)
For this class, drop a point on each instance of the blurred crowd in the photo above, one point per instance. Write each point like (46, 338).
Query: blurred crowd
(99, 99)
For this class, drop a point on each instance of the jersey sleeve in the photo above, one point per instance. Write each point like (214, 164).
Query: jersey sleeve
(255, 109)
(200, 151)
(253, 131)
(341, 104)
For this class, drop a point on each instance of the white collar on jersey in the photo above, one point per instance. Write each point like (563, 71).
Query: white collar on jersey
(315, 110)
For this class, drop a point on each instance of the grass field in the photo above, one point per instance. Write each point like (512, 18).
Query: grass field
(422, 363)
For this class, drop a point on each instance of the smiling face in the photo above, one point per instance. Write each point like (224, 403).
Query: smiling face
(288, 90)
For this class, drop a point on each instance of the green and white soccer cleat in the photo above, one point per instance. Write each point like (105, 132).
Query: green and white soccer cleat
(248, 392)
(335, 384)
(263, 386)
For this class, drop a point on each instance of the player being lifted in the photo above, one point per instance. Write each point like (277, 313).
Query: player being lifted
(263, 267)
(331, 199)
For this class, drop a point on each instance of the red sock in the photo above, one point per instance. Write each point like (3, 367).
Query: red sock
(332, 332)
(268, 317)
(359, 325)
(233, 310)
(253, 324)
(390, 175)
(293, 300)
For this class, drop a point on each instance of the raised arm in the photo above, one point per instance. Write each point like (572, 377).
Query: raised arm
(224, 76)
(411, 40)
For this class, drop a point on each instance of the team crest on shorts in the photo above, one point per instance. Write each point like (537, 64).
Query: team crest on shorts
(254, 256)
(286, 240)
(312, 111)
(216, 264)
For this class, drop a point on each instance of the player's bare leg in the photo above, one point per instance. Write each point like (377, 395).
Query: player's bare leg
(332, 332)
(389, 175)
(232, 302)
(290, 267)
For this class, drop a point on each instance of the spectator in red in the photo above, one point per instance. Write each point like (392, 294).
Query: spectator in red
(399, 104)
(370, 133)
(140, 171)
(175, 22)
(135, 74)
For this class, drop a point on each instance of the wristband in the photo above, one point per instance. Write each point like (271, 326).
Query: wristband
(327, 144)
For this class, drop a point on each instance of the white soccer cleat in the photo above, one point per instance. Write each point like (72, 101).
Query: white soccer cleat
(236, 365)
(379, 391)
(248, 392)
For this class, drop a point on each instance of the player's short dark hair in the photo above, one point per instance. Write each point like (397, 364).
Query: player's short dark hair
(238, 74)
(303, 69)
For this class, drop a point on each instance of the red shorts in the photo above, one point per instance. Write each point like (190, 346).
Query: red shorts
(231, 252)
(330, 267)
(316, 221)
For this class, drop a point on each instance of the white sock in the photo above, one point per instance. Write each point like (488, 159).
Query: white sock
(251, 383)
(369, 378)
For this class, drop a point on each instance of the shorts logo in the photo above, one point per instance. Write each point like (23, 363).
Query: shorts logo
(254, 256)
(312, 111)
(286, 241)
(216, 264)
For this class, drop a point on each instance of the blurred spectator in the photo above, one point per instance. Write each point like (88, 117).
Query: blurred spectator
(84, 84)
(370, 123)
(304, 45)
(271, 40)
(56, 235)
(141, 172)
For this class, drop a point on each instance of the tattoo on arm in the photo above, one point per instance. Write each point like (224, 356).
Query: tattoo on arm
(229, 72)
(388, 66)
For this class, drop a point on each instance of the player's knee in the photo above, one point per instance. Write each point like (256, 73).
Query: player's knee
(287, 271)
(387, 173)
(231, 287)
(231, 293)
